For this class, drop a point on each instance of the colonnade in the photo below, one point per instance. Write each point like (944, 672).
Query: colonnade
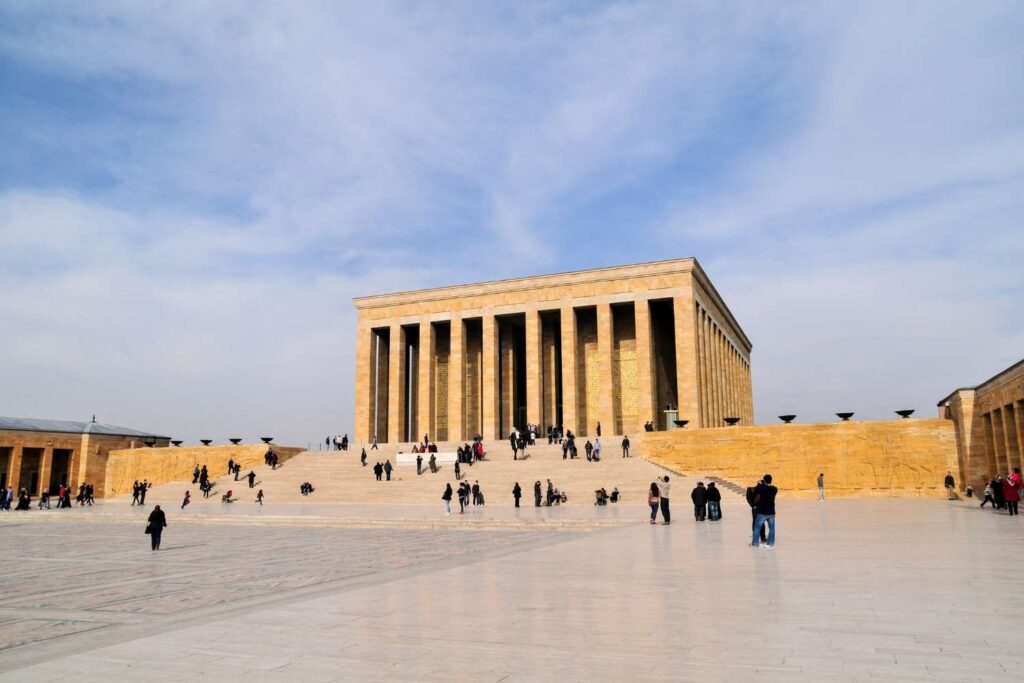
(617, 362)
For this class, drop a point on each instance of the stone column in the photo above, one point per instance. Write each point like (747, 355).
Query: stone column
(491, 413)
(705, 369)
(456, 373)
(644, 367)
(396, 388)
(534, 375)
(1007, 425)
(45, 467)
(364, 386)
(686, 355)
(1017, 408)
(569, 376)
(425, 399)
(14, 474)
(605, 381)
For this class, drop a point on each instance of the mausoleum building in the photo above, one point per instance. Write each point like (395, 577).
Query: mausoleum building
(619, 346)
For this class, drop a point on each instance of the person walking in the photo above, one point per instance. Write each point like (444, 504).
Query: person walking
(699, 496)
(259, 497)
(433, 463)
(419, 465)
(231, 465)
(597, 450)
(378, 471)
(988, 496)
(536, 494)
(155, 526)
(135, 493)
(625, 446)
(143, 487)
(654, 500)
(362, 457)
(195, 474)
(950, 485)
(821, 487)
(517, 493)
(476, 493)
(1011, 491)
(764, 500)
(714, 502)
(186, 500)
(463, 495)
(447, 498)
(374, 446)
(666, 513)
(252, 478)
(598, 430)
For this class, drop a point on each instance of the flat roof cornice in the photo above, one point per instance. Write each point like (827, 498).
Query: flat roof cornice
(683, 265)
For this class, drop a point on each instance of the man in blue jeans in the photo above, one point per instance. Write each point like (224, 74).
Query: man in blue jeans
(764, 505)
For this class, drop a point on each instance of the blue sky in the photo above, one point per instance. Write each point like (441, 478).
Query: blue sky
(191, 193)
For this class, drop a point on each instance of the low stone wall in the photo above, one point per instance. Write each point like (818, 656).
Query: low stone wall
(161, 465)
(883, 458)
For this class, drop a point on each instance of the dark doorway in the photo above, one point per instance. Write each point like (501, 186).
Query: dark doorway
(31, 459)
(6, 453)
(60, 469)
(663, 336)
(512, 372)
(411, 383)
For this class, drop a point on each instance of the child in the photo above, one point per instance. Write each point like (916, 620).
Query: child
(988, 496)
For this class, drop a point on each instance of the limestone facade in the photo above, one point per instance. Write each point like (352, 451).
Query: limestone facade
(54, 453)
(989, 425)
(613, 346)
(877, 458)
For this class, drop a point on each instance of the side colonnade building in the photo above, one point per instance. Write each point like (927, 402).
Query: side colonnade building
(614, 346)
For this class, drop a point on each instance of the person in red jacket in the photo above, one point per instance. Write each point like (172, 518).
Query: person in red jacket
(1011, 490)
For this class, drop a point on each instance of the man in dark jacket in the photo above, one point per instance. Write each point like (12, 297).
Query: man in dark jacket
(156, 523)
(517, 493)
(764, 502)
(536, 494)
(699, 496)
(753, 510)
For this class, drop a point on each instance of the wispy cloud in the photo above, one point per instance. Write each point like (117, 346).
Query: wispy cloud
(192, 193)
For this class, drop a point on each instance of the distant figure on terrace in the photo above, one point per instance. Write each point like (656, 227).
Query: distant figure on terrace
(517, 493)
(536, 494)
(373, 446)
(447, 498)
(419, 464)
(588, 448)
(143, 487)
(238, 470)
(714, 502)
(950, 484)
(259, 497)
(155, 526)
(231, 465)
(1011, 491)
(433, 463)
(195, 474)
(186, 500)
(699, 496)
(378, 471)
(252, 478)
(362, 457)
(625, 446)
(597, 449)
(598, 430)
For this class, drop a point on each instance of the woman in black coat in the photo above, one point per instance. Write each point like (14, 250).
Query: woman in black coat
(157, 522)
(714, 502)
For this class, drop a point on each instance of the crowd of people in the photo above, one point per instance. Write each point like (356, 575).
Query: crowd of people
(337, 443)
(1003, 493)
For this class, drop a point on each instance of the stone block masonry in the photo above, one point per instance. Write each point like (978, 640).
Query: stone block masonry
(610, 345)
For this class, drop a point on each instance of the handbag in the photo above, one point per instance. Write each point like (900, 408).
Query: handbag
(149, 529)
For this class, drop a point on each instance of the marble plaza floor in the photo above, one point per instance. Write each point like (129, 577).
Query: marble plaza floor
(877, 590)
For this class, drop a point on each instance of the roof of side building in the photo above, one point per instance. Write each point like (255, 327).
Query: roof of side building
(32, 424)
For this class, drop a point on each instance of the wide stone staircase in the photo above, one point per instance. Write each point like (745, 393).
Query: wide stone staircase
(338, 477)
